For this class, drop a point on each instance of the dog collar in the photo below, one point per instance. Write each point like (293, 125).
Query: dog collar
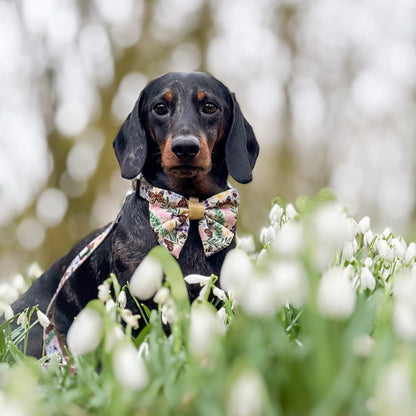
(170, 214)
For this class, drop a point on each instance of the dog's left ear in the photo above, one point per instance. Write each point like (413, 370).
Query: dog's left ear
(241, 148)
(130, 144)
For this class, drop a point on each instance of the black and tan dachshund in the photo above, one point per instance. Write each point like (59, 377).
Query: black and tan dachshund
(186, 134)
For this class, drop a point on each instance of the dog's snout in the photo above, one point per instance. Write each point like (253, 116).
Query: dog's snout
(186, 147)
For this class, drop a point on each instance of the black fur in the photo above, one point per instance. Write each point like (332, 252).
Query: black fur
(138, 149)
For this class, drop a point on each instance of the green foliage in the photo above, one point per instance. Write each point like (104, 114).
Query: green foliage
(324, 353)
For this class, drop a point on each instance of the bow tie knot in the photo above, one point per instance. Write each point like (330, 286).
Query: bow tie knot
(170, 215)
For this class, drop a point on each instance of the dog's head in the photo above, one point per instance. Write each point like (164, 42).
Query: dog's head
(188, 127)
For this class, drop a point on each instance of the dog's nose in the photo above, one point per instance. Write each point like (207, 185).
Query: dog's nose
(186, 147)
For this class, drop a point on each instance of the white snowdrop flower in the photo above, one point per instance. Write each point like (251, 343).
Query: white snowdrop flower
(262, 257)
(259, 297)
(129, 368)
(275, 214)
(110, 308)
(404, 310)
(387, 233)
(202, 293)
(368, 238)
(246, 243)
(222, 314)
(195, 279)
(204, 327)
(246, 396)
(122, 299)
(363, 345)
(34, 271)
(22, 320)
(336, 296)
(169, 312)
(383, 248)
(219, 293)
(267, 235)
(364, 225)
(290, 211)
(290, 283)
(368, 262)
(104, 291)
(162, 295)
(143, 350)
(147, 278)
(289, 239)
(130, 319)
(236, 270)
(347, 251)
(19, 283)
(85, 333)
(8, 313)
(43, 319)
(367, 279)
(410, 253)
(394, 394)
(112, 338)
(398, 248)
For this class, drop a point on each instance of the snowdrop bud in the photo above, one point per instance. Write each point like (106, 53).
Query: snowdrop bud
(34, 271)
(364, 225)
(22, 320)
(368, 262)
(387, 233)
(8, 313)
(202, 293)
(169, 312)
(147, 278)
(143, 350)
(162, 295)
(219, 293)
(246, 395)
(347, 251)
(19, 283)
(275, 214)
(363, 345)
(367, 279)
(222, 314)
(112, 338)
(262, 258)
(290, 211)
(129, 368)
(104, 291)
(130, 319)
(398, 248)
(110, 308)
(289, 239)
(122, 299)
(384, 250)
(290, 283)
(43, 319)
(368, 238)
(85, 333)
(410, 253)
(194, 279)
(246, 243)
(336, 297)
(267, 235)
(204, 327)
(236, 270)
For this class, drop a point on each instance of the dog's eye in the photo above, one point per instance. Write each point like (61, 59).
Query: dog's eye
(160, 109)
(209, 108)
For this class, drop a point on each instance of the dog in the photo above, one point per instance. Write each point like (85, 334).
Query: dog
(185, 135)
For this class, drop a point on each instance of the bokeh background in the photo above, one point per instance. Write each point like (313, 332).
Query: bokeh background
(328, 85)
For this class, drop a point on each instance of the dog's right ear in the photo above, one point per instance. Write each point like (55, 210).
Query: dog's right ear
(130, 144)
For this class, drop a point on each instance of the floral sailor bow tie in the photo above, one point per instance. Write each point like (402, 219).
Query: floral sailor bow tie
(170, 215)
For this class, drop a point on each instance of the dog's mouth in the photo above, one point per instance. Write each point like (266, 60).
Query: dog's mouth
(187, 171)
